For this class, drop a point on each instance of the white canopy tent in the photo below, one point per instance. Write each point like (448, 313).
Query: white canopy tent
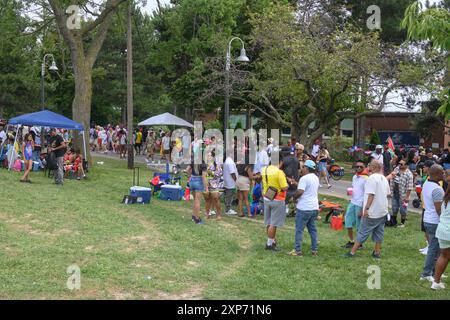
(165, 119)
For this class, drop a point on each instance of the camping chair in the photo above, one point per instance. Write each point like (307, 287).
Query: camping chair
(335, 209)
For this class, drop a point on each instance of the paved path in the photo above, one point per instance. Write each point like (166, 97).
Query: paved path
(338, 189)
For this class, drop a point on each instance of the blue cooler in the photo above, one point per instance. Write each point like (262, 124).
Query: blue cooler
(171, 192)
(142, 194)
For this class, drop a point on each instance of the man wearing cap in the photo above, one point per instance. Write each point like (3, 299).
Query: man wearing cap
(378, 155)
(307, 208)
(58, 146)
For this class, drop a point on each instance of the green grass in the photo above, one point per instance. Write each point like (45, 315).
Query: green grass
(44, 229)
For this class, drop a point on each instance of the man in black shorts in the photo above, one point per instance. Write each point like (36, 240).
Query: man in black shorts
(57, 145)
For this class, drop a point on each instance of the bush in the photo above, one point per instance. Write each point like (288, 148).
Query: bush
(213, 124)
(375, 138)
(338, 146)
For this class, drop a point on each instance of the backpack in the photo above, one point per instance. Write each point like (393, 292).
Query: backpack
(51, 161)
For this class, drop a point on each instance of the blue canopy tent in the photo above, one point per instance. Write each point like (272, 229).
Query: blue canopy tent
(50, 119)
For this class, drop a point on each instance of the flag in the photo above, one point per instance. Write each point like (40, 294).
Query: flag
(391, 146)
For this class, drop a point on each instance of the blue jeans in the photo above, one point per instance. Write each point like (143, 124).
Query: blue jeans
(433, 250)
(397, 205)
(306, 219)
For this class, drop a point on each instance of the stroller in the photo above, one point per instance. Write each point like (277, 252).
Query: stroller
(417, 202)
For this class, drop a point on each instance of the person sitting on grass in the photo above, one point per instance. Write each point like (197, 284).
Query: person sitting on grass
(376, 192)
(78, 166)
(27, 152)
(355, 207)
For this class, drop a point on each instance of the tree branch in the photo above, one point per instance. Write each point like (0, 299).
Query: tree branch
(110, 6)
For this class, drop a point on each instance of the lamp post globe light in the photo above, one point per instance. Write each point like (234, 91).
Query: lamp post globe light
(242, 58)
(53, 67)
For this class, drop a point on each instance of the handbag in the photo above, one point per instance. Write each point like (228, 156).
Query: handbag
(271, 192)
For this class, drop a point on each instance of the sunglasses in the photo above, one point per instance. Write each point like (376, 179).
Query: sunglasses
(359, 167)
(402, 164)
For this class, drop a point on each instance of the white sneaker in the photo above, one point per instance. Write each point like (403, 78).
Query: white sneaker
(437, 286)
(231, 212)
(429, 278)
(212, 213)
(424, 251)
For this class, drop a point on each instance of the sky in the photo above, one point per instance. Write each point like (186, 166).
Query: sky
(152, 5)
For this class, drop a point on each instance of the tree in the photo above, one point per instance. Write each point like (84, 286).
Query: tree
(308, 74)
(374, 138)
(84, 46)
(432, 24)
(19, 76)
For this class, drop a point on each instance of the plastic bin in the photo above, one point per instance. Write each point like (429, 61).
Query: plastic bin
(142, 194)
(171, 192)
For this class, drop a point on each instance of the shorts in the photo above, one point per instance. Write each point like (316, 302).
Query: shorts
(372, 226)
(444, 244)
(322, 166)
(352, 217)
(243, 183)
(166, 151)
(196, 184)
(274, 213)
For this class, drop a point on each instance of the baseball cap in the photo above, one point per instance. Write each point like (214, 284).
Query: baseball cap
(310, 164)
(379, 146)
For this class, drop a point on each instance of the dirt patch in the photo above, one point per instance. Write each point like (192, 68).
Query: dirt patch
(192, 293)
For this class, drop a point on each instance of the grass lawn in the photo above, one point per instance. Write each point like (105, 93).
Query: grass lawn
(156, 252)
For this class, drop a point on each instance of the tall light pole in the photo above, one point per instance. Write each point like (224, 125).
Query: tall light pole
(130, 88)
(53, 67)
(242, 58)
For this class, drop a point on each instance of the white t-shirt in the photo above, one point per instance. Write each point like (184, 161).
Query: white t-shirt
(166, 143)
(309, 199)
(378, 185)
(315, 150)
(378, 157)
(2, 136)
(186, 141)
(229, 167)
(262, 160)
(432, 192)
(358, 183)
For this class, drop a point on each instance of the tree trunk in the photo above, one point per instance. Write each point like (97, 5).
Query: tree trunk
(81, 105)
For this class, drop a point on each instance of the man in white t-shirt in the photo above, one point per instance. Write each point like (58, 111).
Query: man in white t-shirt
(375, 210)
(230, 175)
(378, 155)
(355, 207)
(433, 196)
(307, 208)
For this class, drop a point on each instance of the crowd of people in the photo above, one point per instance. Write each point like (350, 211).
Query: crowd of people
(386, 176)
(54, 152)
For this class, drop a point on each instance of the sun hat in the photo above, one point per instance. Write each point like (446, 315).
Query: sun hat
(270, 140)
(310, 164)
(299, 146)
